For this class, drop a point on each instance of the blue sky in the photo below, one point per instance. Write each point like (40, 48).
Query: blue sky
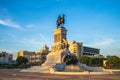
(29, 24)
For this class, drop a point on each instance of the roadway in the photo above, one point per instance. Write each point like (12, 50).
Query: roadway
(15, 74)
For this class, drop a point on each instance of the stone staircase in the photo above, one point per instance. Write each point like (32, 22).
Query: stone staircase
(88, 68)
(37, 69)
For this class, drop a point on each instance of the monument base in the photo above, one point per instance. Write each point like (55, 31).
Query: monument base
(56, 57)
(73, 68)
(79, 69)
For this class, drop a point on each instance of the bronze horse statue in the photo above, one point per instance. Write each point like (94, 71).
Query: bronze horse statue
(60, 21)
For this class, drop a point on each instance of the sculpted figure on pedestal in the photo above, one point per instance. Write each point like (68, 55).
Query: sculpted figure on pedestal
(60, 21)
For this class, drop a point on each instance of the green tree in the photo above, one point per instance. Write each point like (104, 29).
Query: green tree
(113, 62)
(84, 60)
(21, 60)
(91, 61)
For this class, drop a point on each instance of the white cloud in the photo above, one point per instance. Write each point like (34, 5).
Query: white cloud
(10, 23)
(46, 39)
(105, 42)
(36, 41)
(43, 37)
(29, 26)
(30, 42)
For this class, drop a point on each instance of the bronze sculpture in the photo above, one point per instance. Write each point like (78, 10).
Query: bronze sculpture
(60, 21)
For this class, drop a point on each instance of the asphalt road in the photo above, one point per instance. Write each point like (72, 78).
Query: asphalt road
(14, 74)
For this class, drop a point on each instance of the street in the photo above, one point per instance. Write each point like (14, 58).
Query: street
(14, 74)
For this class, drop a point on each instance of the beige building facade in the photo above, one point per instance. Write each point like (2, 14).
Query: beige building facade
(76, 48)
(35, 58)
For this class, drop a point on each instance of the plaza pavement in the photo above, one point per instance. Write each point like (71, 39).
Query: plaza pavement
(14, 74)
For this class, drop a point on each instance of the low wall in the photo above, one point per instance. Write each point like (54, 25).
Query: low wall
(72, 73)
(112, 71)
(80, 73)
(100, 73)
(52, 71)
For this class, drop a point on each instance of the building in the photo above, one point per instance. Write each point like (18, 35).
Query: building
(43, 52)
(89, 51)
(79, 50)
(6, 58)
(39, 57)
(35, 58)
(75, 48)
(25, 53)
(44, 49)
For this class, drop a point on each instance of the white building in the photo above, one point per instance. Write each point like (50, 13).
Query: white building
(79, 50)
(6, 58)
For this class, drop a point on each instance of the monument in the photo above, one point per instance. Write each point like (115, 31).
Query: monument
(62, 57)
(60, 47)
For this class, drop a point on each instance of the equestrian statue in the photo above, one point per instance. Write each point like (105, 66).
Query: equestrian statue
(60, 21)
